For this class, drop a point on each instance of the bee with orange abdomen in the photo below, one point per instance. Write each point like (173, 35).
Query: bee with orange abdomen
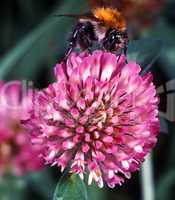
(104, 26)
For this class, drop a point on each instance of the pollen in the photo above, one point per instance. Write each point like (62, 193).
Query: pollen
(111, 17)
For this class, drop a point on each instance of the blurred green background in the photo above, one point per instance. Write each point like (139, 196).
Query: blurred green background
(32, 41)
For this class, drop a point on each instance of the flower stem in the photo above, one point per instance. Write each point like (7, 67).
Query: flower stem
(147, 179)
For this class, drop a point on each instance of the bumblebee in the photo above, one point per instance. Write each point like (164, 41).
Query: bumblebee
(104, 26)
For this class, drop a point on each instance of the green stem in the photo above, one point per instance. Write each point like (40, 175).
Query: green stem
(147, 180)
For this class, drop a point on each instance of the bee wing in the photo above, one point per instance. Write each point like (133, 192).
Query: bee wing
(77, 16)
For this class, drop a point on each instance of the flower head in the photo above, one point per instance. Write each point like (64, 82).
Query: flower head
(17, 155)
(100, 117)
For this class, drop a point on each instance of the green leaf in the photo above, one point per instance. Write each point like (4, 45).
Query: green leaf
(44, 42)
(12, 187)
(70, 188)
(144, 52)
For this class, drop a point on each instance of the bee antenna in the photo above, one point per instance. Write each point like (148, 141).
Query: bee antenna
(67, 15)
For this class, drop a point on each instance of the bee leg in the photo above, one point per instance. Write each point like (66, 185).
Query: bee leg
(73, 41)
(68, 52)
(125, 52)
(85, 43)
(119, 55)
(125, 49)
(82, 36)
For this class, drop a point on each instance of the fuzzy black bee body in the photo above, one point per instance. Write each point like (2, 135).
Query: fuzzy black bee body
(88, 32)
(103, 27)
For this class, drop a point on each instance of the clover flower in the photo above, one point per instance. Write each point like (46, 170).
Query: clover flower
(99, 118)
(17, 155)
